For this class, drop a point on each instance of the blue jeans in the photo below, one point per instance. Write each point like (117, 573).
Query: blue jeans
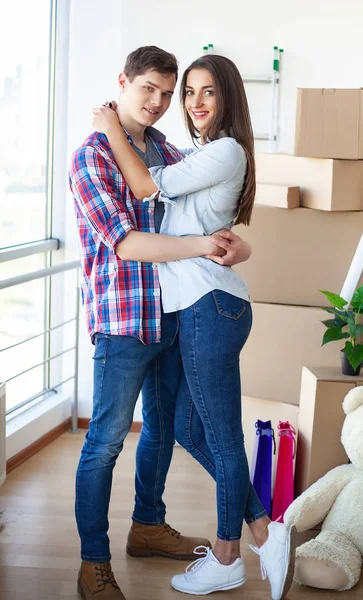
(122, 366)
(208, 419)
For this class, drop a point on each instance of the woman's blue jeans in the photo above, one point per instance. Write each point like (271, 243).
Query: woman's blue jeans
(208, 420)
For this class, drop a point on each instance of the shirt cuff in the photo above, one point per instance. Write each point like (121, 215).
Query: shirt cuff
(116, 230)
(157, 176)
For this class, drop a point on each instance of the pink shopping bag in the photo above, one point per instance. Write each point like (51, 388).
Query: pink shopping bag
(284, 482)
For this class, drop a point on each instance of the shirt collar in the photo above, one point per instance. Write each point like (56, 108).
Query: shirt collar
(223, 134)
(153, 133)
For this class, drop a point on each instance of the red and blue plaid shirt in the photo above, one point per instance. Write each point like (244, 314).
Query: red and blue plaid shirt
(120, 297)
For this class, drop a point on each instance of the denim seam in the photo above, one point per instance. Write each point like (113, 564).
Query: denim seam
(196, 378)
(154, 524)
(176, 331)
(224, 314)
(228, 538)
(203, 458)
(92, 559)
(77, 497)
(101, 386)
(256, 517)
(190, 439)
(96, 559)
(162, 432)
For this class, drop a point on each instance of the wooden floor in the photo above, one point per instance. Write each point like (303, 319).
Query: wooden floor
(39, 543)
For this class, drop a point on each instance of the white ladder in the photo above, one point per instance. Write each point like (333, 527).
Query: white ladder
(274, 79)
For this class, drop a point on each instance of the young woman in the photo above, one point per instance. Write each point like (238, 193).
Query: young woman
(213, 187)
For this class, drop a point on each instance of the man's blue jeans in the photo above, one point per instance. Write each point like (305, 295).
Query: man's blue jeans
(208, 420)
(122, 365)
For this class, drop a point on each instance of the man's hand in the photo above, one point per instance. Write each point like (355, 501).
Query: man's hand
(236, 249)
(105, 118)
(211, 249)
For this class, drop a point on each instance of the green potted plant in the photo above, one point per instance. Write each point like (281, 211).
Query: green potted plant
(345, 325)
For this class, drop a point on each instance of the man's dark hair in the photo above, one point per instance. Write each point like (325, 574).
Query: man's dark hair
(150, 57)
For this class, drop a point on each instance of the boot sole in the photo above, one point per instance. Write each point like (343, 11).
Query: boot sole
(148, 552)
(291, 567)
(219, 588)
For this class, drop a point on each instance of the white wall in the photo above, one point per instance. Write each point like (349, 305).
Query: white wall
(95, 60)
(323, 48)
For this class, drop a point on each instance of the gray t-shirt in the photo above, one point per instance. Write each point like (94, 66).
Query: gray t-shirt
(152, 158)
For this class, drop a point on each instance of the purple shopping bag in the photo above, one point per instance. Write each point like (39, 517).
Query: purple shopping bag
(262, 475)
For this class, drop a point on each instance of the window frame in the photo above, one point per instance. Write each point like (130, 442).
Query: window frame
(55, 212)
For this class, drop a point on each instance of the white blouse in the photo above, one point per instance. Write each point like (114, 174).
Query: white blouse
(201, 194)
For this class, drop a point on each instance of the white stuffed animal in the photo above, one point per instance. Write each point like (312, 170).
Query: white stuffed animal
(333, 560)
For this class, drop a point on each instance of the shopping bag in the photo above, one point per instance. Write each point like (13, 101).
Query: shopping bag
(284, 482)
(262, 473)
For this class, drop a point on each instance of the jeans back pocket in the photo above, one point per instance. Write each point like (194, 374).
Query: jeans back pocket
(228, 305)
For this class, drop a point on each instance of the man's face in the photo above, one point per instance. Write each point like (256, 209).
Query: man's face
(147, 96)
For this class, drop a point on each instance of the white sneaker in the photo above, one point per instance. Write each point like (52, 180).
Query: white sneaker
(206, 575)
(277, 558)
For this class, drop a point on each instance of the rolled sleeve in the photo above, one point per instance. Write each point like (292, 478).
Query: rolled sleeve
(157, 177)
(92, 181)
(210, 165)
(187, 151)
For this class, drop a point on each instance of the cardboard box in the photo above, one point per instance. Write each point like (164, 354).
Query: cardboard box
(280, 196)
(297, 252)
(321, 419)
(325, 184)
(283, 340)
(329, 123)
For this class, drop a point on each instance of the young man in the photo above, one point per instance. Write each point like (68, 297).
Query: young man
(135, 342)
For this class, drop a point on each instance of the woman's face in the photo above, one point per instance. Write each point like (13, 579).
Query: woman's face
(200, 99)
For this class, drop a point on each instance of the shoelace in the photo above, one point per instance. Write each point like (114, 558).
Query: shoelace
(104, 575)
(199, 562)
(173, 532)
(262, 565)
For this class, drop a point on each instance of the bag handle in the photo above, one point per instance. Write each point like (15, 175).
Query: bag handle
(285, 428)
(269, 431)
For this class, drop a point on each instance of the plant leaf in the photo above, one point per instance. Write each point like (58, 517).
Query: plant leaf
(334, 334)
(359, 330)
(334, 323)
(352, 328)
(354, 354)
(335, 299)
(345, 316)
(357, 300)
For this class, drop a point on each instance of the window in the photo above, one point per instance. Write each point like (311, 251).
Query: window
(22, 316)
(38, 314)
(24, 100)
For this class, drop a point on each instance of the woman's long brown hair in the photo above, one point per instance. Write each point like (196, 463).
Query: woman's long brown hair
(232, 117)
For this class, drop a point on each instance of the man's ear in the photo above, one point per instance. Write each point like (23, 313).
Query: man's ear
(122, 78)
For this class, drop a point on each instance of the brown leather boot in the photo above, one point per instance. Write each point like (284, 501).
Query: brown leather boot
(162, 540)
(96, 582)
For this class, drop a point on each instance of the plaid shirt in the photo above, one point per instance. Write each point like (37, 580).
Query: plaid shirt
(120, 297)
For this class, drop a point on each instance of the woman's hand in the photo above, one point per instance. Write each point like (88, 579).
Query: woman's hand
(105, 119)
(211, 247)
(236, 250)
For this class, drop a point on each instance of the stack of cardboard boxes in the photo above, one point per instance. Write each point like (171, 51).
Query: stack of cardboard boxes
(297, 252)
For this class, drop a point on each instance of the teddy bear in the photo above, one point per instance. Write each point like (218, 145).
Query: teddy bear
(333, 560)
